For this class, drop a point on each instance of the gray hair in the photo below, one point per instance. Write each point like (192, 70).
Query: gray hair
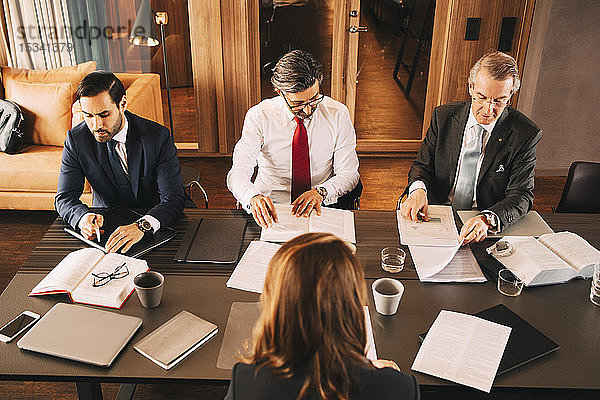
(296, 71)
(500, 66)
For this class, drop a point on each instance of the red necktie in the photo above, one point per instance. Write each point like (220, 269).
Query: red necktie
(300, 161)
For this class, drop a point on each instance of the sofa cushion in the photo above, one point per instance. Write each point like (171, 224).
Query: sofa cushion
(71, 73)
(19, 84)
(46, 109)
(34, 170)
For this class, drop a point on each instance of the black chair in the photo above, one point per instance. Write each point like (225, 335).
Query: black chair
(581, 193)
(191, 178)
(351, 200)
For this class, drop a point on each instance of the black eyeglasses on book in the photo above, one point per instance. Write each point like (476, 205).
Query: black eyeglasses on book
(102, 278)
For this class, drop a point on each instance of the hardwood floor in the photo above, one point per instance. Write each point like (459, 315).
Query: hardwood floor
(20, 231)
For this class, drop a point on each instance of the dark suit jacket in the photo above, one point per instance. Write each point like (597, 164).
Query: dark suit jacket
(505, 181)
(154, 172)
(248, 382)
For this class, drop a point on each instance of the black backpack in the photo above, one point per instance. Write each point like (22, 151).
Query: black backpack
(11, 135)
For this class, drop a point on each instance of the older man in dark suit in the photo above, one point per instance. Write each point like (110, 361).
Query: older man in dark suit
(128, 160)
(478, 154)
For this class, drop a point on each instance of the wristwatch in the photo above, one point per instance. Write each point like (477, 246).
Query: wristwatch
(144, 226)
(492, 221)
(322, 191)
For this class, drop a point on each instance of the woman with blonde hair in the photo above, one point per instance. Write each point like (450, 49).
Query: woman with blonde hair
(311, 337)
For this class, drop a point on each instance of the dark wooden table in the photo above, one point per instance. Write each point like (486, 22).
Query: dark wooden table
(563, 312)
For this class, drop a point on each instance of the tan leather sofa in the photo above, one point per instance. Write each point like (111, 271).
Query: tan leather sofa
(28, 180)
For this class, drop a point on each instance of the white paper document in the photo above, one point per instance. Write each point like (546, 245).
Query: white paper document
(440, 230)
(251, 271)
(464, 349)
(446, 264)
(331, 220)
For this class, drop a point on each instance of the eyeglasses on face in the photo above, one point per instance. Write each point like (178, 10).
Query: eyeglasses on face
(498, 103)
(102, 278)
(294, 106)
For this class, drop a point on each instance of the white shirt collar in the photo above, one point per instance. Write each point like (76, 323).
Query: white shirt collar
(121, 136)
(472, 121)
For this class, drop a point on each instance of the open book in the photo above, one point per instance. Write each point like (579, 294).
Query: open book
(553, 258)
(73, 275)
(331, 220)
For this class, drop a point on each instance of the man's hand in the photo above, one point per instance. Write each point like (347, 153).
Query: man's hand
(474, 230)
(304, 204)
(263, 210)
(415, 202)
(89, 224)
(123, 238)
(385, 363)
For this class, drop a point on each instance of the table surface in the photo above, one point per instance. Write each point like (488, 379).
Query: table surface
(562, 312)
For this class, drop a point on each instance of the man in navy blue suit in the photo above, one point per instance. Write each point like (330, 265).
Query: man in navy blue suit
(128, 160)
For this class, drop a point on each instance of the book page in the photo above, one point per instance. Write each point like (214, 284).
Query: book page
(69, 272)
(251, 271)
(337, 222)
(462, 268)
(531, 258)
(115, 291)
(287, 227)
(440, 230)
(464, 349)
(572, 248)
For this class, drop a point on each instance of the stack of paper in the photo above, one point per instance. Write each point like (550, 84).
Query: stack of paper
(251, 271)
(331, 220)
(435, 249)
(464, 349)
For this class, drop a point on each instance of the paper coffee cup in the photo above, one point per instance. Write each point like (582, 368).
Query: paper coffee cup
(387, 293)
(149, 287)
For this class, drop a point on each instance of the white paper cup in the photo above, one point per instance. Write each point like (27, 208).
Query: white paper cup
(387, 293)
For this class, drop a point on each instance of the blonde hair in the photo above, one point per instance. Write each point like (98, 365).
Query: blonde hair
(312, 314)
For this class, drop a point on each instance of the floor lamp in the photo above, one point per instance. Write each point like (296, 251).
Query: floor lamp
(143, 34)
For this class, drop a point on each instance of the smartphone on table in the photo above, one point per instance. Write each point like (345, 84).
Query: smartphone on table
(23, 321)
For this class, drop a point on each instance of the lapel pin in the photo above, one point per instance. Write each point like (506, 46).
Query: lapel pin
(499, 139)
(500, 168)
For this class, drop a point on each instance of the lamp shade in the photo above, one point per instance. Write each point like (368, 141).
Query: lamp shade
(143, 32)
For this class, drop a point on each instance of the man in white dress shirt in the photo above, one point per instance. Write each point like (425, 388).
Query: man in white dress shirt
(478, 154)
(302, 141)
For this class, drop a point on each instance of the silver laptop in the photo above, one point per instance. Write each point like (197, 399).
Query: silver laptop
(81, 333)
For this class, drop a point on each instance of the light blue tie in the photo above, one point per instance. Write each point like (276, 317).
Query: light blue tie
(465, 182)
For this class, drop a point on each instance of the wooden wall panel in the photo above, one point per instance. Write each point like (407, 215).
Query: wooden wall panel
(207, 70)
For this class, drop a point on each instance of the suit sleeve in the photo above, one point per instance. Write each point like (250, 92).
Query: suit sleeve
(169, 182)
(70, 186)
(423, 168)
(519, 191)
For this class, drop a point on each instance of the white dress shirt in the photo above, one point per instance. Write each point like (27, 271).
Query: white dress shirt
(121, 149)
(267, 142)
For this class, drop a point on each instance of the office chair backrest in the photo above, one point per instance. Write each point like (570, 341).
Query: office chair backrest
(581, 193)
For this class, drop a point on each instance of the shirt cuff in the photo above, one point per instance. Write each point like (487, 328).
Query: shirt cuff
(248, 195)
(153, 222)
(331, 195)
(417, 185)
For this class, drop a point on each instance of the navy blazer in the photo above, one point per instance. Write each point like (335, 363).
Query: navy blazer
(506, 177)
(153, 165)
(249, 383)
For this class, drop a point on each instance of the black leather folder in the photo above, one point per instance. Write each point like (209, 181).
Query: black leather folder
(212, 240)
(525, 342)
(115, 217)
